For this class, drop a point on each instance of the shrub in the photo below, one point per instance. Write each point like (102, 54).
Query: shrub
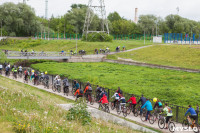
(97, 37)
(79, 113)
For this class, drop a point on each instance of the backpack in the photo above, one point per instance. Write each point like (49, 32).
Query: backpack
(117, 95)
(90, 88)
(81, 91)
(169, 110)
(35, 75)
(159, 104)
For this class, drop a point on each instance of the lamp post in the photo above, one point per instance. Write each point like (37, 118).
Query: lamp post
(1, 27)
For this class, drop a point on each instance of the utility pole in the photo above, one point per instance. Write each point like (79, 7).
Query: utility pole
(144, 36)
(157, 28)
(1, 27)
(64, 27)
(46, 9)
(76, 42)
(48, 29)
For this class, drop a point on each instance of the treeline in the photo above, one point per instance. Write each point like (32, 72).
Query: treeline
(20, 20)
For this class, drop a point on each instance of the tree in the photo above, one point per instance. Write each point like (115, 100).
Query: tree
(114, 17)
(19, 19)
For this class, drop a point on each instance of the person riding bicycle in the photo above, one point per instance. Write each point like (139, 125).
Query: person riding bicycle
(104, 100)
(122, 102)
(26, 73)
(103, 92)
(7, 70)
(98, 92)
(193, 114)
(36, 78)
(32, 75)
(160, 107)
(133, 102)
(169, 113)
(57, 81)
(79, 92)
(77, 86)
(119, 91)
(149, 108)
(20, 69)
(88, 91)
(41, 76)
(14, 70)
(142, 100)
(66, 85)
(116, 95)
(1, 67)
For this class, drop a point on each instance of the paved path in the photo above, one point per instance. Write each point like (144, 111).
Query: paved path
(129, 117)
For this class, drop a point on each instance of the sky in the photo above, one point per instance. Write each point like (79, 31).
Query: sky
(126, 8)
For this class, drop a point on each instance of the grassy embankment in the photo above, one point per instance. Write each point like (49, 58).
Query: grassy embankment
(177, 87)
(27, 109)
(169, 55)
(67, 45)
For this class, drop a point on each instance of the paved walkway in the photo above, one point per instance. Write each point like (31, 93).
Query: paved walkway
(129, 117)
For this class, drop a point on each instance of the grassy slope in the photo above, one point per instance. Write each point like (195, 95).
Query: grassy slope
(27, 109)
(175, 86)
(170, 55)
(67, 45)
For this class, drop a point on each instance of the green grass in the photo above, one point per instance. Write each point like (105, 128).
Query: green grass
(25, 109)
(177, 87)
(169, 55)
(67, 45)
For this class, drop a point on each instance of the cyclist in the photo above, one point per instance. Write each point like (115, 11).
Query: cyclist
(149, 108)
(41, 76)
(1, 67)
(46, 78)
(88, 91)
(193, 114)
(88, 83)
(103, 92)
(116, 95)
(77, 86)
(57, 81)
(79, 92)
(168, 111)
(26, 73)
(98, 92)
(36, 78)
(20, 69)
(160, 107)
(104, 100)
(66, 85)
(122, 102)
(14, 70)
(32, 75)
(134, 102)
(7, 70)
(142, 100)
(119, 91)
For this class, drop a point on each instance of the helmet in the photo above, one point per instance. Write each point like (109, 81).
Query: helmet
(33, 71)
(46, 72)
(155, 100)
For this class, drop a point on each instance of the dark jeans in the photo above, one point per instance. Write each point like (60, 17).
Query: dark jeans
(148, 112)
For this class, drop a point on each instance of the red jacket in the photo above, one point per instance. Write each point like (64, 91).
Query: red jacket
(104, 99)
(133, 99)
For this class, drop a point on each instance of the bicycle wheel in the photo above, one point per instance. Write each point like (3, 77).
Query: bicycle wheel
(112, 106)
(91, 100)
(171, 127)
(107, 109)
(100, 107)
(161, 123)
(117, 109)
(185, 124)
(67, 91)
(143, 117)
(151, 119)
(196, 128)
(59, 88)
(128, 109)
(136, 112)
(54, 89)
(124, 111)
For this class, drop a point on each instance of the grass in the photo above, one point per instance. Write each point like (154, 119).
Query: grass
(169, 55)
(67, 45)
(177, 87)
(25, 109)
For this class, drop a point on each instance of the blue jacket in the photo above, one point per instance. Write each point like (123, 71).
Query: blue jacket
(77, 86)
(148, 106)
(192, 111)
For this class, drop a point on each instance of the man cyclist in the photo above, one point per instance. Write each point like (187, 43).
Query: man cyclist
(46, 78)
(116, 95)
(20, 69)
(168, 111)
(193, 114)
(57, 81)
(133, 102)
(88, 91)
(14, 70)
(149, 108)
(77, 86)
(1, 67)
(7, 70)
(122, 102)
(79, 92)
(119, 91)
(98, 92)
(26, 73)
(142, 100)
(159, 109)
(65, 85)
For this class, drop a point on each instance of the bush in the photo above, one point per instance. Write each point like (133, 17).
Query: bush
(97, 37)
(79, 113)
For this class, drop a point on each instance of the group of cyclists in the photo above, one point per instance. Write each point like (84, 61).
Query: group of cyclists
(119, 102)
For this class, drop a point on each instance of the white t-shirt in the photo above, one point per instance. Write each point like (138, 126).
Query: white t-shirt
(1, 66)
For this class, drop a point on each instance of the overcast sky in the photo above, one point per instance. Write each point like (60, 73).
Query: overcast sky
(126, 8)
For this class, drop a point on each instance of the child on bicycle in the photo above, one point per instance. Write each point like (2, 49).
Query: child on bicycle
(122, 102)
(168, 111)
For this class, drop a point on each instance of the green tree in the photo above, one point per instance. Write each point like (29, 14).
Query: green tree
(114, 17)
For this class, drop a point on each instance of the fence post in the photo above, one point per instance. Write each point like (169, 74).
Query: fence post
(108, 95)
(177, 109)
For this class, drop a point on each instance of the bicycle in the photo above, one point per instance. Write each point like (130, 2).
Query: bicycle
(56, 87)
(162, 122)
(116, 105)
(104, 107)
(26, 80)
(186, 124)
(130, 109)
(46, 83)
(90, 99)
(123, 110)
(66, 89)
(150, 118)
(73, 90)
(14, 75)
